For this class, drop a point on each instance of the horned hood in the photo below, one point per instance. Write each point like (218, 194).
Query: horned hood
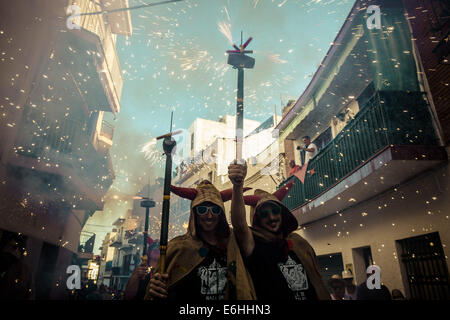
(289, 222)
(205, 192)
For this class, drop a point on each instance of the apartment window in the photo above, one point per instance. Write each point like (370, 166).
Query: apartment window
(424, 267)
(330, 264)
(126, 264)
(192, 141)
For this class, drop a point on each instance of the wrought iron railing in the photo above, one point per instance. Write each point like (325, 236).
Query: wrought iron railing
(387, 118)
(62, 142)
(47, 139)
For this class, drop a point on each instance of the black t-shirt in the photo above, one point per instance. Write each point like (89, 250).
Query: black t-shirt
(278, 273)
(207, 281)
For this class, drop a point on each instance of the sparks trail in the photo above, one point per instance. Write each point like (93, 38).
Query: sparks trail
(225, 29)
(128, 9)
(155, 156)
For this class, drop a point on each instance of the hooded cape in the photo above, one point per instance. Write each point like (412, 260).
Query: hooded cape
(185, 253)
(299, 245)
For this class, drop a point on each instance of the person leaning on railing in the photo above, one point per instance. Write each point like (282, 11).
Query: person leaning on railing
(310, 150)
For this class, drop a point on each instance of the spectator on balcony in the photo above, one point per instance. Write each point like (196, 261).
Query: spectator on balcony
(281, 263)
(294, 167)
(205, 263)
(309, 150)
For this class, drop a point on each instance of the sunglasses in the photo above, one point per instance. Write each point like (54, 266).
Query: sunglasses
(265, 212)
(201, 210)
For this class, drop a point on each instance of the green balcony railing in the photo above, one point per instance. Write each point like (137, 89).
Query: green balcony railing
(387, 118)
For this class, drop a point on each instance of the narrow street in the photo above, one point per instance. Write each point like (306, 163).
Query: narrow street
(117, 116)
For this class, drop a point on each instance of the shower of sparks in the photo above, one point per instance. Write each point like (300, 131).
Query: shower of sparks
(225, 29)
(228, 15)
(150, 153)
(273, 57)
(163, 55)
(197, 60)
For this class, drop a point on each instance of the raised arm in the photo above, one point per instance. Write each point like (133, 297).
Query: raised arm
(244, 236)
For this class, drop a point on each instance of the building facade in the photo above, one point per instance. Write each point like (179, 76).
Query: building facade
(125, 253)
(106, 259)
(260, 151)
(377, 192)
(57, 86)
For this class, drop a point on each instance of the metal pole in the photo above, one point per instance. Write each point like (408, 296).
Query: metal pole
(168, 145)
(147, 204)
(240, 114)
(144, 253)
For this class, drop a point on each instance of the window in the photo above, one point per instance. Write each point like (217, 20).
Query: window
(424, 267)
(329, 265)
(126, 264)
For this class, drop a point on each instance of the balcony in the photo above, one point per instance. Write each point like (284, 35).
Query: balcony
(108, 265)
(91, 53)
(103, 137)
(116, 241)
(62, 147)
(120, 21)
(390, 141)
(189, 167)
(136, 239)
(115, 271)
(107, 130)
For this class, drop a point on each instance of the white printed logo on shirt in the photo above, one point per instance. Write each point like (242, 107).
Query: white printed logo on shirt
(213, 279)
(294, 274)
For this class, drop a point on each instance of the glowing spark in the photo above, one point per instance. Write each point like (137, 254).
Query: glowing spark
(155, 156)
(274, 57)
(148, 148)
(225, 29)
(228, 15)
(194, 62)
(281, 4)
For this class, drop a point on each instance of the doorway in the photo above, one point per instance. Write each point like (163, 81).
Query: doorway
(330, 264)
(424, 267)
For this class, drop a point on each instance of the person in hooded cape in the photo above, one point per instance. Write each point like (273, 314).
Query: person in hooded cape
(205, 263)
(281, 263)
